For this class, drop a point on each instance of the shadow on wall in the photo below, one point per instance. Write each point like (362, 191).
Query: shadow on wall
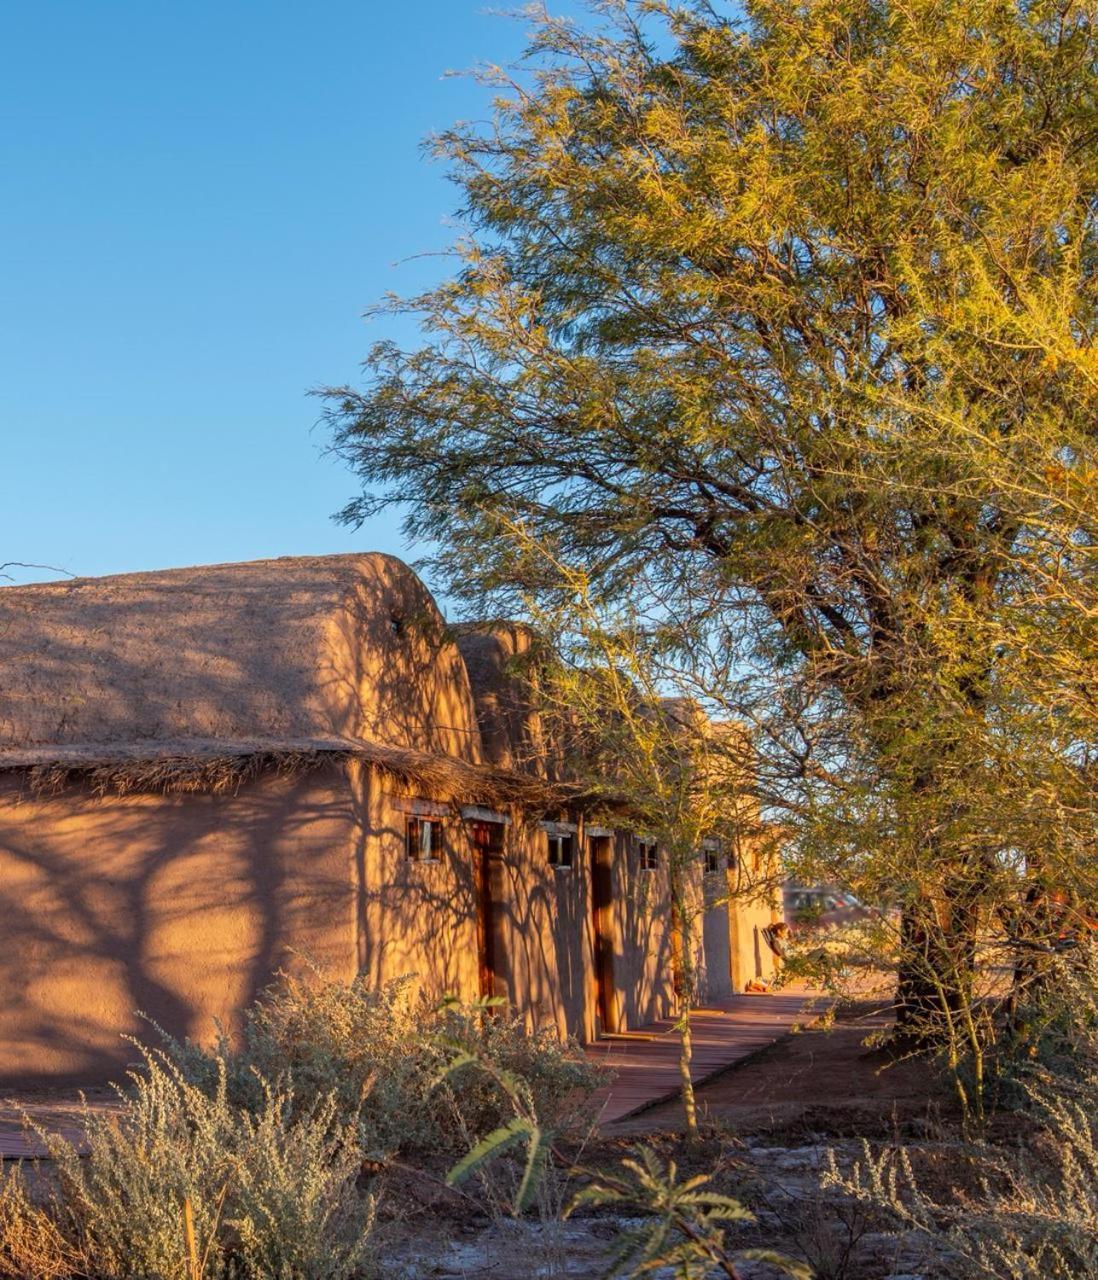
(395, 675)
(524, 920)
(517, 930)
(180, 907)
(414, 918)
(183, 906)
(572, 936)
(643, 960)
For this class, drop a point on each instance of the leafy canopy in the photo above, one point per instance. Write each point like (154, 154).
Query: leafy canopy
(778, 324)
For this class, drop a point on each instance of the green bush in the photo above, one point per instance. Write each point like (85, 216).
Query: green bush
(383, 1054)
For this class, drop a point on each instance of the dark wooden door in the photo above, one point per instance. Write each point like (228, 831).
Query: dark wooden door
(487, 839)
(602, 905)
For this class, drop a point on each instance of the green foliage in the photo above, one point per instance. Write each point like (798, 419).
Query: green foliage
(470, 1058)
(685, 1226)
(498, 1143)
(775, 327)
(257, 1153)
(1049, 1045)
(381, 1054)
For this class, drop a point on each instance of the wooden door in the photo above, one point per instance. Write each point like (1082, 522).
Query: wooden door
(602, 905)
(487, 840)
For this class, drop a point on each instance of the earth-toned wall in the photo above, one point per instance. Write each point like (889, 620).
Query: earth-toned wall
(750, 911)
(644, 965)
(544, 920)
(179, 907)
(183, 906)
(416, 919)
(716, 934)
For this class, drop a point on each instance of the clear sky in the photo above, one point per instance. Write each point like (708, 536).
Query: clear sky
(197, 203)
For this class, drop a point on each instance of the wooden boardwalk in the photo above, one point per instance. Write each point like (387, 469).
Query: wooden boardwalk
(63, 1115)
(647, 1060)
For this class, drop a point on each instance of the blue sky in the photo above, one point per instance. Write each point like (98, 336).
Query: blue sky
(197, 203)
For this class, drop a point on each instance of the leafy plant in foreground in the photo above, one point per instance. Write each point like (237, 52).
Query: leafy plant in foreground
(685, 1224)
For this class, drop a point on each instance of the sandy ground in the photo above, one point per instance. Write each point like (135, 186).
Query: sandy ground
(816, 1081)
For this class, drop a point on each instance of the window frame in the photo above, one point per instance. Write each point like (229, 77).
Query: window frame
(413, 843)
(648, 854)
(565, 844)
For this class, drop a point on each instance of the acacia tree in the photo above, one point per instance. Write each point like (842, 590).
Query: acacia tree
(780, 327)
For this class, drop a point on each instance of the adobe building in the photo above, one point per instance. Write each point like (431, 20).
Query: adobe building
(207, 774)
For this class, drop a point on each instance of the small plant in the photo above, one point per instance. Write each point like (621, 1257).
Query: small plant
(522, 1128)
(380, 1054)
(30, 1242)
(1035, 1216)
(685, 1226)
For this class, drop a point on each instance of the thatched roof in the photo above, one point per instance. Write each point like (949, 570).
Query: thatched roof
(198, 679)
(351, 646)
(220, 766)
(495, 655)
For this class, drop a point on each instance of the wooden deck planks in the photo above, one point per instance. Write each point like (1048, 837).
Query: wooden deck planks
(647, 1066)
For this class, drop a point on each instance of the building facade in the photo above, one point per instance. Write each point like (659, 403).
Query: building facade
(208, 775)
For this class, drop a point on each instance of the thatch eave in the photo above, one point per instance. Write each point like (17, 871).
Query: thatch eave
(218, 766)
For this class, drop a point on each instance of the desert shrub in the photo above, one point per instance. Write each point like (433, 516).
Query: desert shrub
(297, 1210)
(270, 1193)
(30, 1242)
(384, 1054)
(553, 1078)
(1034, 1215)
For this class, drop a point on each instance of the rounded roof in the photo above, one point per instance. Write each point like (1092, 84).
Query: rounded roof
(503, 659)
(301, 647)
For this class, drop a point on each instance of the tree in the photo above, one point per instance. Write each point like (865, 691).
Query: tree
(780, 327)
(639, 756)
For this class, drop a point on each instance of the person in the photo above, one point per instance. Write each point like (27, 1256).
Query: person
(776, 937)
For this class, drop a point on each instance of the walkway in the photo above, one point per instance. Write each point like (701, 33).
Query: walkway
(62, 1114)
(647, 1060)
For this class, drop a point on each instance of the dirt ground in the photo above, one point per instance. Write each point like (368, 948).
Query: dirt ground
(820, 1081)
(768, 1124)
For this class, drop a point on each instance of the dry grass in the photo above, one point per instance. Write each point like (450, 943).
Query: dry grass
(217, 767)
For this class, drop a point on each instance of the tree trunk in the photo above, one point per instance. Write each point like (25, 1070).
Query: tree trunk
(686, 1054)
(681, 954)
(936, 968)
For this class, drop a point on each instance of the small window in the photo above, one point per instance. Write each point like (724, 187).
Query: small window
(424, 839)
(648, 855)
(562, 851)
(712, 861)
